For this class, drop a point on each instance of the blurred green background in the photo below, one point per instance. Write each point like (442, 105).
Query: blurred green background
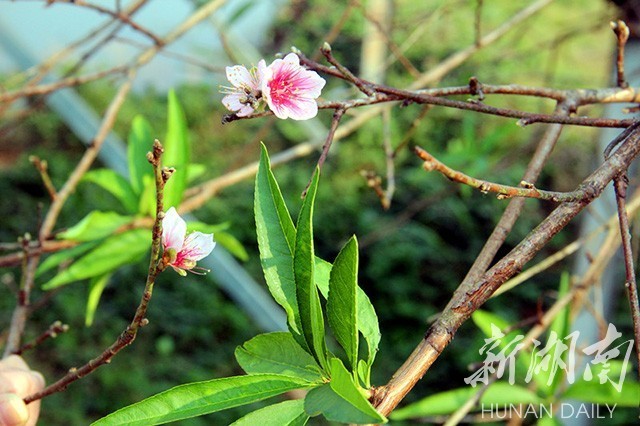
(412, 255)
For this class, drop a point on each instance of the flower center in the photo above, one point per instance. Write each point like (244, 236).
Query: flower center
(282, 87)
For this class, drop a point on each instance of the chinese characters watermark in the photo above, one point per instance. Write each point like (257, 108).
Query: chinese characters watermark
(559, 354)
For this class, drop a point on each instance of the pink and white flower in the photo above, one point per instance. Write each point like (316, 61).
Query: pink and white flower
(245, 95)
(290, 89)
(182, 251)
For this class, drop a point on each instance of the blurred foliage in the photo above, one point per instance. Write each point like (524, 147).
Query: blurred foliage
(412, 256)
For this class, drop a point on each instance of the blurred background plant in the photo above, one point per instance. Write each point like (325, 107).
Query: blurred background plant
(413, 254)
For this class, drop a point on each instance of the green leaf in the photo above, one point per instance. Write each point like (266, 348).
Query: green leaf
(116, 185)
(277, 353)
(341, 400)
(147, 202)
(194, 171)
(232, 244)
(593, 392)
(110, 254)
(311, 317)
(276, 237)
(367, 318)
(499, 393)
(287, 413)
(176, 152)
(63, 256)
(140, 142)
(96, 287)
(207, 228)
(95, 225)
(197, 399)
(559, 327)
(225, 239)
(342, 303)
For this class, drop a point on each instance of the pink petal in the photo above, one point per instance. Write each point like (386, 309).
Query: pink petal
(197, 246)
(239, 76)
(174, 229)
(303, 109)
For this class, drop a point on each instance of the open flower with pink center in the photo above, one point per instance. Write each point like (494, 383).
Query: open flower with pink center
(290, 89)
(246, 94)
(182, 251)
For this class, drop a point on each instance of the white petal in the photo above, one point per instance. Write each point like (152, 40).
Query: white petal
(174, 229)
(232, 102)
(198, 245)
(238, 76)
(292, 58)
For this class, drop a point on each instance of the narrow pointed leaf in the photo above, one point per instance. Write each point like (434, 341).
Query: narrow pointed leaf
(311, 317)
(287, 413)
(56, 259)
(596, 393)
(342, 312)
(499, 393)
(110, 254)
(147, 201)
(140, 142)
(95, 225)
(277, 353)
(343, 384)
(340, 400)
(367, 318)
(197, 399)
(116, 185)
(176, 152)
(273, 227)
(96, 287)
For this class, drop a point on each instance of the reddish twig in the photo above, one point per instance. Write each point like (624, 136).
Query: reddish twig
(526, 189)
(337, 115)
(51, 333)
(364, 86)
(155, 267)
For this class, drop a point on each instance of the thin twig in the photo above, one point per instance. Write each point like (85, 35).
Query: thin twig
(620, 184)
(348, 75)
(389, 155)
(468, 298)
(337, 115)
(51, 333)
(43, 169)
(527, 189)
(622, 34)
(155, 267)
(123, 18)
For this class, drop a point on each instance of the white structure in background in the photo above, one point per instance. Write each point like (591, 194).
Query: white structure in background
(31, 31)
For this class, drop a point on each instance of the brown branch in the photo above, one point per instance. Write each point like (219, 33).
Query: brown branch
(51, 333)
(620, 184)
(155, 267)
(467, 299)
(337, 115)
(45, 89)
(622, 34)
(21, 311)
(527, 189)
(122, 17)
(364, 86)
(35, 248)
(43, 168)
